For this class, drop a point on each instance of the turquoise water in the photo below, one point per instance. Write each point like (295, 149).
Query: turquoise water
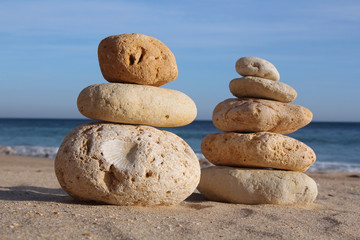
(337, 145)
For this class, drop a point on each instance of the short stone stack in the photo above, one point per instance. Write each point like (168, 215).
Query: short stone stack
(125, 160)
(254, 123)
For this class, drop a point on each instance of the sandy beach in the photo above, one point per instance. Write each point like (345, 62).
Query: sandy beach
(33, 206)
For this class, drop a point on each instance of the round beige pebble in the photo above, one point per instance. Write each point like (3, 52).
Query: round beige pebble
(257, 67)
(136, 104)
(136, 58)
(256, 87)
(257, 186)
(260, 115)
(263, 149)
(126, 165)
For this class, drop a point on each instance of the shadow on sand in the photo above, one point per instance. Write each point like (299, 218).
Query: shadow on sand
(196, 198)
(31, 193)
(43, 194)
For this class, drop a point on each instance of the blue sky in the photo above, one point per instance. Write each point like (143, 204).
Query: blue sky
(48, 50)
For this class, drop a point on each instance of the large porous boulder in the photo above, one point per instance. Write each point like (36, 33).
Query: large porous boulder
(126, 165)
(262, 149)
(257, 67)
(255, 87)
(136, 104)
(260, 115)
(257, 186)
(136, 58)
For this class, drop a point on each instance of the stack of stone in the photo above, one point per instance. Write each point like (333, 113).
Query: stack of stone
(125, 160)
(254, 123)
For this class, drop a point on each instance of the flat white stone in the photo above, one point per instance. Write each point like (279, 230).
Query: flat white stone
(136, 104)
(257, 186)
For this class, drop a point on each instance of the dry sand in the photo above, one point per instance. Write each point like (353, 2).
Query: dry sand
(33, 206)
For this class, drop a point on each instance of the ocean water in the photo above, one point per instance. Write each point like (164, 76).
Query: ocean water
(337, 145)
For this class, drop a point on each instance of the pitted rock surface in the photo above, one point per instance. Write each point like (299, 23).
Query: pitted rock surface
(136, 58)
(260, 115)
(263, 149)
(126, 165)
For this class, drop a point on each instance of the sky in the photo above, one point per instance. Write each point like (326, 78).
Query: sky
(48, 50)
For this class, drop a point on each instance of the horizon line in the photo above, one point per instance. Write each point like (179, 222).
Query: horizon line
(208, 120)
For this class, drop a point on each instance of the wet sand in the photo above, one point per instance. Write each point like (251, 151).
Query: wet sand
(33, 206)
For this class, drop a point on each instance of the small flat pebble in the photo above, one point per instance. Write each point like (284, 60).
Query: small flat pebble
(255, 87)
(257, 67)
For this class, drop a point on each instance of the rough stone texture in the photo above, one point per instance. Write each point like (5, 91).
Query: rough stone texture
(263, 149)
(136, 58)
(136, 104)
(259, 115)
(255, 186)
(126, 165)
(256, 87)
(257, 67)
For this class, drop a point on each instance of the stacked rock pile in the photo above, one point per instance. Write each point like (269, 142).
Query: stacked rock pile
(254, 123)
(122, 161)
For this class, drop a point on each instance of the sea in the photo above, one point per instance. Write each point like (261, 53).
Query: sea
(336, 144)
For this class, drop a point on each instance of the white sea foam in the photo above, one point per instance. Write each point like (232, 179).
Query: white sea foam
(317, 166)
(335, 166)
(31, 151)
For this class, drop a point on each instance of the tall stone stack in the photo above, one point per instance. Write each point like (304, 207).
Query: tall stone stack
(125, 160)
(255, 163)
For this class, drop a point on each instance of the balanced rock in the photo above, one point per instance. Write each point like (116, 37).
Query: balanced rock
(260, 115)
(257, 67)
(136, 104)
(257, 186)
(126, 165)
(262, 149)
(256, 87)
(136, 58)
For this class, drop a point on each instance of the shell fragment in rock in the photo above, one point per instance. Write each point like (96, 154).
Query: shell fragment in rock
(119, 153)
